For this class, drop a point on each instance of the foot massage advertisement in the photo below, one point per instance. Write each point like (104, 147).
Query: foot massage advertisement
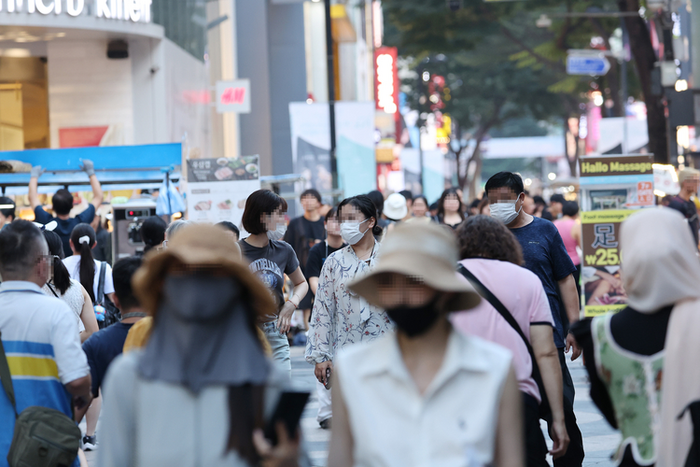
(612, 189)
(217, 189)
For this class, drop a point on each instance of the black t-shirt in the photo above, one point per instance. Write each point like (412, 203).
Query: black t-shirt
(317, 256)
(302, 234)
(688, 209)
(103, 347)
(546, 256)
(65, 226)
(270, 263)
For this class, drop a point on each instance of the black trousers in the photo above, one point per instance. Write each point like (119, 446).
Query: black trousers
(535, 445)
(574, 455)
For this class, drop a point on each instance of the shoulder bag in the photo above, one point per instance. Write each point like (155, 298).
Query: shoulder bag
(43, 437)
(545, 409)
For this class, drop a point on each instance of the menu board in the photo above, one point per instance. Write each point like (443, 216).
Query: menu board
(217, 189)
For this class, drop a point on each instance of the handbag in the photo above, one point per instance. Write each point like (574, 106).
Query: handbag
(43, 437)
(545, 409)
(111, 312)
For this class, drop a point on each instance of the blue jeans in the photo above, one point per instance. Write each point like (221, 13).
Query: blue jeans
(279, 345)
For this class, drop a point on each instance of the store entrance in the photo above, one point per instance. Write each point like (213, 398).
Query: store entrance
(24, 103)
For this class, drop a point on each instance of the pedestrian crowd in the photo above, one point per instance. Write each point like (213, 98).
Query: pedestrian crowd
(438, 334)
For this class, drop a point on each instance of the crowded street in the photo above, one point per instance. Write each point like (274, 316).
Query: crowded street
(349, 233)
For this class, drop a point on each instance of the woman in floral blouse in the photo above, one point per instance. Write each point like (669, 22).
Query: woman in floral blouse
(340, 317)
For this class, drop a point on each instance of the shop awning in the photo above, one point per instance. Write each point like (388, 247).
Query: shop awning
(114, 165)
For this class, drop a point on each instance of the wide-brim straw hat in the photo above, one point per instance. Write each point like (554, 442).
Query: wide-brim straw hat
(426, 252)
(395, 207)
(199, 246)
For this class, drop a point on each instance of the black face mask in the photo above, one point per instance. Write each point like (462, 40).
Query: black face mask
(414, 321)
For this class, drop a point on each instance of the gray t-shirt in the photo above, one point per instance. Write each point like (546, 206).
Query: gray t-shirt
(270, 263)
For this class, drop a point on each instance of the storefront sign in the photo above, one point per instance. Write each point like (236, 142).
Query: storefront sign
(217, 189)
(137, 11)
(612, 189)
(233, 96)
(386, 79)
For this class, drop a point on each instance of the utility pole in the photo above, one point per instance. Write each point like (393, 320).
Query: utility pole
(331, 92)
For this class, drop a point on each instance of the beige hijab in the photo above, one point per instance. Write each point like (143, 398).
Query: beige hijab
(660, 268)
(660, 265)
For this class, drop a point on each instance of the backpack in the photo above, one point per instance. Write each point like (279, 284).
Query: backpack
(111, 312)
(43, 437)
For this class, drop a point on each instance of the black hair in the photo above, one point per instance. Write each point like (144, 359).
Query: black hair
(122, 272)
(506, 179)
(557, 198)
(7, 212)
(259, 203)
(407, 194)
(230, 226)
(87, 261)
(425, 200)
(365, 205)
(153, 232)
(312, 192)
(378, 199)
(441, 204)
(570, 208)
(434, 206)
(61, 276)
(539, 200)
(333, 213)
(20, 247)
(475, 204)
(62, 202)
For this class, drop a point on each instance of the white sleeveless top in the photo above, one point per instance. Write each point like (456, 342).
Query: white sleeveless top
(453, 424)
(73, 297)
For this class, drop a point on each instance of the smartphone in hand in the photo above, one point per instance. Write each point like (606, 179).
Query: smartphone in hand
(327, 383)
(289, 410)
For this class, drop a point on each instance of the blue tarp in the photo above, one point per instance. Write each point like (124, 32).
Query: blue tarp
(113, 164)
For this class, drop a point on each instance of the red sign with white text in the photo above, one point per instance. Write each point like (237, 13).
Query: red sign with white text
(386, 80)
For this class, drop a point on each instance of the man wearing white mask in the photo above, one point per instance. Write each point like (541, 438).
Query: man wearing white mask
(270, 259)
(545, 255)
(341, 317)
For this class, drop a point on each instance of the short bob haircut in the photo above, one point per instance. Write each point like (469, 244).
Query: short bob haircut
(258, 204)
(485, 237)
(505, 179)
(570, 208)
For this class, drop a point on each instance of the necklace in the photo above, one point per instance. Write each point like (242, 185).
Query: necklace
(135, 314)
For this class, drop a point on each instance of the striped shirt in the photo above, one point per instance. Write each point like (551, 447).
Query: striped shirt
(40, 338)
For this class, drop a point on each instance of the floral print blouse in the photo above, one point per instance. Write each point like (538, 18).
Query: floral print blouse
(341, 317)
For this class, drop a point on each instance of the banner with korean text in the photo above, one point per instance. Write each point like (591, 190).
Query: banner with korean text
(612, 188)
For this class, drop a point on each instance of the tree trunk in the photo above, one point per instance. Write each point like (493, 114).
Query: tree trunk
(644, 59)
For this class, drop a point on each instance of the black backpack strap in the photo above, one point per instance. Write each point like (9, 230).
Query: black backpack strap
(101, 284)
(6, 377)
(503, 311)
(52, 290)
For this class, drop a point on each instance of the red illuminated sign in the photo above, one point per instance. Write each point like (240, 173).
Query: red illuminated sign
(386, 80)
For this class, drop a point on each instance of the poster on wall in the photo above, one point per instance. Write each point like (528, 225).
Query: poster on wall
(310, 131)
(217, 189)
(612, 189)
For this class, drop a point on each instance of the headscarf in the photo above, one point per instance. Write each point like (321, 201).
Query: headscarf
(660, 265)
(205, 303)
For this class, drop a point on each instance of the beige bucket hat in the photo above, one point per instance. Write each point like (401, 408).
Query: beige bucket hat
(427, 252)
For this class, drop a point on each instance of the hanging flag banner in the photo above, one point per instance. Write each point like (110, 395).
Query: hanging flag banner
(612, 189)
(217, 189)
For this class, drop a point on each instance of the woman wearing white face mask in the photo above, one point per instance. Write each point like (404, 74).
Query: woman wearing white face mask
(270, 259)
(340, 317)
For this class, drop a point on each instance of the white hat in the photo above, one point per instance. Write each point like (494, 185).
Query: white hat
(395, 207)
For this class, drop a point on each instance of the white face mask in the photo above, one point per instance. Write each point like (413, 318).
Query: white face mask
(505, 211)
(351, 233)
(278, 233)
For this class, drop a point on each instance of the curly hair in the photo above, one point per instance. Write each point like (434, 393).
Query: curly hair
(484, 237)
